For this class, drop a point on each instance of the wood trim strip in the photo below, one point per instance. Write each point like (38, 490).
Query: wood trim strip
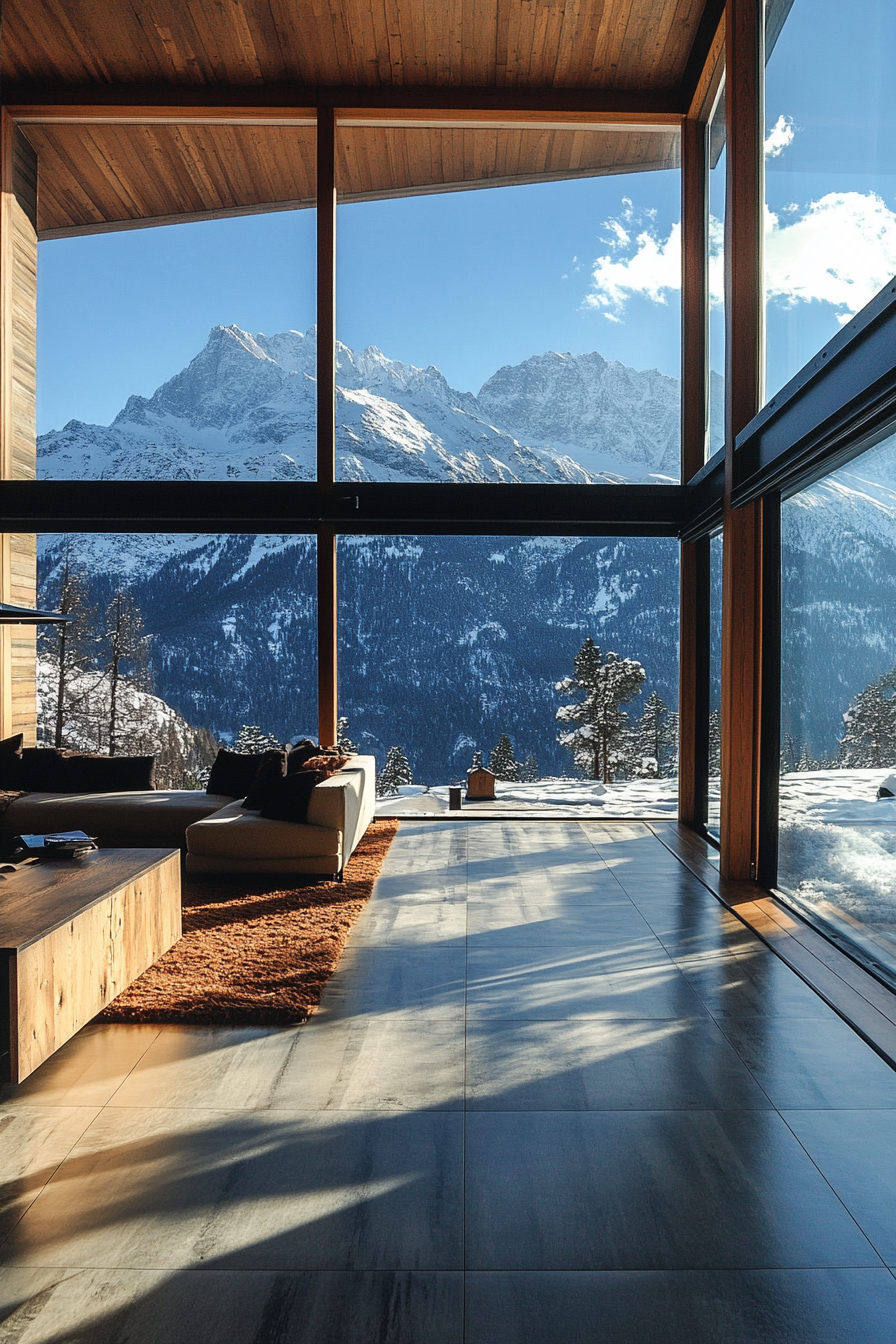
(287, 102)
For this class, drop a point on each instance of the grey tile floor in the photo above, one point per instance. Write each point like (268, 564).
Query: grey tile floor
(555, 1092)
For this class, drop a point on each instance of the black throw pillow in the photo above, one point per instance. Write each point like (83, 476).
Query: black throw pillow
(266, 776)
(234, 771)
(287, 799)
(300, 753)
(83, 772)
(43, 770)
(11, 762)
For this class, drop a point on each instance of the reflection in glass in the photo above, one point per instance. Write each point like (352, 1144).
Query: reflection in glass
(457, 648)
(837, 854)
(530, 333)
(714, 791)
(830, 171)
(177, 644)
(716, 157)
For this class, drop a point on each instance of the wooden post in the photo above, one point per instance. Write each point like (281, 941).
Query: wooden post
(326, 421)
(743, 528)
(18, 435)
(326, 635)
(693, 704)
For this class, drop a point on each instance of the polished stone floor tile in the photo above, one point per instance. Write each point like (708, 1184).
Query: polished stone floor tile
(516, 983)
(252, 1190)
(210, 1068)
(856, 1152)
(219, 1307)
(389, 1064)
(753, 983)
(650, 1190)
(87, 1070)
(33, 1142)
(536, 923)
(804, 1063)
(606, 1065)
(411, 924)
(792, 1306)
(387, 980)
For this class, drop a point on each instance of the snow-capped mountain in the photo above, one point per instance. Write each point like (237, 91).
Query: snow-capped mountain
(244, 409)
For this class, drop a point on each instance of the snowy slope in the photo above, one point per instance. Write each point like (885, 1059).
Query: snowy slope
(244, 409)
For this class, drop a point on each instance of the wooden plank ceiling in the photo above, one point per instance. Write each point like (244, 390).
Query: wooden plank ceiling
(96, 175)
(510, 44)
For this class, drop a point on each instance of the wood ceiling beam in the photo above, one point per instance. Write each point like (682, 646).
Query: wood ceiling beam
(284, 104)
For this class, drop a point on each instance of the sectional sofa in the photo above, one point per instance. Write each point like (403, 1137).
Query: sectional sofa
(217, 832)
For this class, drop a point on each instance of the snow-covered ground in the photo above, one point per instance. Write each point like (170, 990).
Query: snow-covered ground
(837, 854)
(568, 797)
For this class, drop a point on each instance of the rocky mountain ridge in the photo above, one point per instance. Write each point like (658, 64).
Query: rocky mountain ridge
(244, 409)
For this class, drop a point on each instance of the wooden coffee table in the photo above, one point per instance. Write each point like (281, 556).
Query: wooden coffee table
(73, 935)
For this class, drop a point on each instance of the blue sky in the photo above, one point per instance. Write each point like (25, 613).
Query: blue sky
(473, 280)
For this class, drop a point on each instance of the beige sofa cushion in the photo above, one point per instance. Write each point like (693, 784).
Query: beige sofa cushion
(234, 833)
(148, 817)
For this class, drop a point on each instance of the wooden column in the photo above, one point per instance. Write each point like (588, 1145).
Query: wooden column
(18, 435)
(326, 421)
(742, 574)
(693, 706)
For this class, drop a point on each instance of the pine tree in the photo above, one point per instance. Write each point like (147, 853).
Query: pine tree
(656, 741)
(502, 762)
(251, 741)
(395, 773)
(715, 744)
(72, 649)
(869, 739)
(529, 771)
(127, 655)
(343, 741)
(598, 742)
(476, 763)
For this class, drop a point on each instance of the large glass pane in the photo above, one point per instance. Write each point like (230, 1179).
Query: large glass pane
(717, 159)
(178, 643)
(455, 649)
(530, 333)
(837, 857)
(186, 351)
(714, 791)
(830, 160)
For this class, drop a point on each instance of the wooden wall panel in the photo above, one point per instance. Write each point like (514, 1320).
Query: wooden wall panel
(18, 435)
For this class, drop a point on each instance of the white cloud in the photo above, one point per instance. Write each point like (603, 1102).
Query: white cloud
(779, 137)
(653, 270)
(840, 250)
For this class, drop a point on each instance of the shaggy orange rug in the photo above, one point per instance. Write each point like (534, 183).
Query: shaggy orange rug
(253, 956)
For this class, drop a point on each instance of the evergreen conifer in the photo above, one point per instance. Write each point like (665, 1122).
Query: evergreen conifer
(502, 762)
(396, 772)
(598, 741)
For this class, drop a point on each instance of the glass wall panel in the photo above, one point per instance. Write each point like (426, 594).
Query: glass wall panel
(837, 859)
(187, 351)
(212, 634)
(830, 161)
(717, 159)
(530, 333)
(458, 649)
(714, 792)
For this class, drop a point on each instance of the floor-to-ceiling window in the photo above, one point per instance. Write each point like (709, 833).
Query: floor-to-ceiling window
(830, 171)
(837, 812)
